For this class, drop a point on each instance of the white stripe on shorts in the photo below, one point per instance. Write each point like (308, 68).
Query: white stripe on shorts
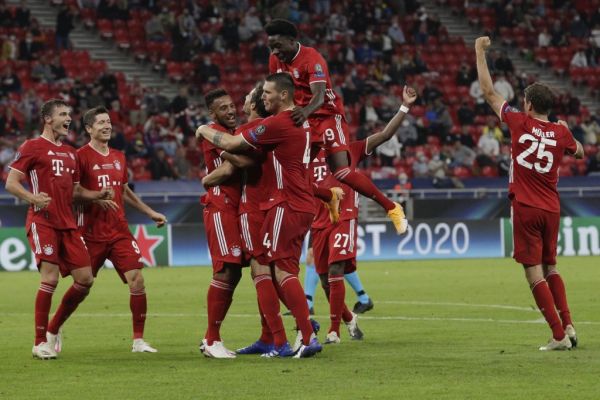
(277, 226)
(220, 233)
(36, 239)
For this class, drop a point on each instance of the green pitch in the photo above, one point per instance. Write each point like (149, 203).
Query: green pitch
(463, 329)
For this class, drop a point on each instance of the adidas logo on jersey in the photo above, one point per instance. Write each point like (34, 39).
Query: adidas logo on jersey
(51, 153)
(335, 144)
(96, 167)
(343, 252)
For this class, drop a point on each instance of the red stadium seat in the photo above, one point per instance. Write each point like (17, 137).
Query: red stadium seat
(174, 71)
(105, 27)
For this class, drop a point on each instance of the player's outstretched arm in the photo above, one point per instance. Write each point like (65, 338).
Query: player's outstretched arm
(579, 153)
(219, 175)
(238, 160)
(134, 201)
(222, 140)
(300, 114)
(16, 188)
(409, 95)
(483, 73)
(81, 193)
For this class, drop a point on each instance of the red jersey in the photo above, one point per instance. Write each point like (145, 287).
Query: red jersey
(98, 171)
(322, 177)
(50, 168)
(308, 66)
(290, 147)
(225, 196)
(253, 191)
(537, 148)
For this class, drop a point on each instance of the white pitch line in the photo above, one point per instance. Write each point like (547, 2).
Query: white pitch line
(362, 317)
(433, 303)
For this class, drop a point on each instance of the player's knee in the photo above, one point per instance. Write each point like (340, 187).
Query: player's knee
(85, 280)
(336, 269)
(136, 282)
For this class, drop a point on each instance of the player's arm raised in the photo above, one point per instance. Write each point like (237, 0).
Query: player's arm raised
(225, 141)
(300, 114)
(409, 95)
(219, 175)
(134, 201)
(16, 188)
(493, 98)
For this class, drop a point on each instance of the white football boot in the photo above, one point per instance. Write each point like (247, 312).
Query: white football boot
(141, 346)
(353, 330)
(43, 351)
(332, 338)
(217, 350)
(570, 331)
(55, 341)
(553, 344)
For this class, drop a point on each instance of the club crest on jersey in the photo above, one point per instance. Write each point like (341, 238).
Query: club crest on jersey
(296, 73)
(48, 250)
(236, 251)
(117, 165)
(319, 71)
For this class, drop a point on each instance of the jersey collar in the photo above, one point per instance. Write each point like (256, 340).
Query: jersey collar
(102, 154)
(298, 52)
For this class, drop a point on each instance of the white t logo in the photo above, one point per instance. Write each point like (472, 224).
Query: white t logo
(319, 172)
(57, 167)
(103, 180)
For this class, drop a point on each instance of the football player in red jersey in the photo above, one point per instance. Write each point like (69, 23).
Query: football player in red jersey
(537, 148)
(317, 103)
(103, 223)
(51, 170)
(257, 172)
(289, 205)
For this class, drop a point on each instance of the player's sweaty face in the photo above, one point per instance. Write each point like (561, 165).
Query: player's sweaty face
(60, 120)
(271, 97)
(102, 128)
(223, 111)
(282, 47)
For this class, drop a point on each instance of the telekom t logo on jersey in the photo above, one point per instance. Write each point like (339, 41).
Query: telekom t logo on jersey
(104, 180)
(57, 167)
(319, 172)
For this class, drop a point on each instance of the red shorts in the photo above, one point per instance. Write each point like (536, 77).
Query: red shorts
(223, 237)
(123, 252)
(535, 234)
(332, 132)
(335, 244)
(283, 234)
(65, 248)
(250, 226)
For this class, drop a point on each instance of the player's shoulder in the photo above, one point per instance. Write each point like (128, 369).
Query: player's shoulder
(249, 125)
(83, 150)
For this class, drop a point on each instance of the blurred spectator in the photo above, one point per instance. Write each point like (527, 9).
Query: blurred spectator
(557, 34)
(591, 129)
(10, 48)
(28, 49)
(137, 146)
(178, 108)
(436, 166)
(504, 65)
(579, 59)
(395, 32)
(322, 7)
(504, 88)
(492, 127)
(544, 38)
(58, 71)
(403, 183)
(430, 93)
(208, 72)
(108, 9)
(250, 26)
(488, 148)
(465, 113)
(64, 26)
(440, 121)
(30, 106)
(229, 31)
(8, 123)
(187, 26)
(465, 137)
(576, 129)
(578, 28)
(420, 166)
(22, 15)
(154, 29)
(368, 113)
(159, 166)
(477, 95)
(421, 35)
(465, 75)
(462, 155)
(389, 151)
(504, 161)
(9, 81)
(41, 71)
(407, 133)
(6, 18)
(181, 165)
(260, 53)
(419, 63)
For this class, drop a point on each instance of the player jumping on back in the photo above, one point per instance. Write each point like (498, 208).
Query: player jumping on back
(317, 103)
(103, 223)
(537, 148)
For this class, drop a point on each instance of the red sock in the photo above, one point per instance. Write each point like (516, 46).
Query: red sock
(138, 307)
(280, 294)
(322, 193)
(43, 301)
(218, 300)
(557, 287)
(75, 295)
(346, 314)
(545, 302)
(296, 301)
(364, 186)
(269, 306)
(337, 293)
(265, 335)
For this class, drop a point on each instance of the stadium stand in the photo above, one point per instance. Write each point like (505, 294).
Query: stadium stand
(372, 48)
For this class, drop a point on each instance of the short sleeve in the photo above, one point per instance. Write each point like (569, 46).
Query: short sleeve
(77, 173)
(317, 69)
(123, 162)
(24, 158)
(510, 115)
(358, 151)
(272, 64)
(267, 132)
(570, 143)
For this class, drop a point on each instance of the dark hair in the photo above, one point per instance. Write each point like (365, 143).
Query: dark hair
(541, 97)
(90, 115)
(49, 106)
(281, 27)
(283, 81)
(214, 94)
(257, 99)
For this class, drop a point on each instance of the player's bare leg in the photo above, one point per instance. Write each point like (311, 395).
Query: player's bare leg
(339, 163)
(82, 282)
(43, 301)
(545, 302)
(559, 293)
(219, 298)
(138, 306)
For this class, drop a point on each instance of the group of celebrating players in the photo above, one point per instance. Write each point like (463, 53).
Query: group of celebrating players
(288, 170)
